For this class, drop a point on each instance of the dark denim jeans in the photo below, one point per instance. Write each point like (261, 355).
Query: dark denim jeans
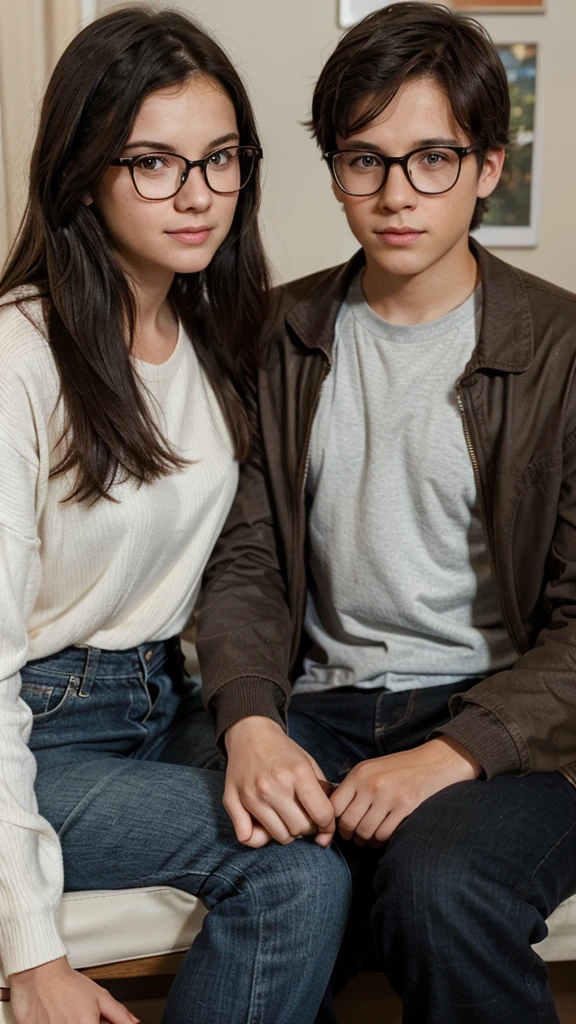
(463, 888)
(118, 737)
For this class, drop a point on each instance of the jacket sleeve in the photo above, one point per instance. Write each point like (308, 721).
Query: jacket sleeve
(243, 624)
(524, 719)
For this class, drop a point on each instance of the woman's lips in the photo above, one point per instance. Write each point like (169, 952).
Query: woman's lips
(191, 236)
(400, 238)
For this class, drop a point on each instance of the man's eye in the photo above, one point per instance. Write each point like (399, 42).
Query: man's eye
(433, 159)
(366, 162)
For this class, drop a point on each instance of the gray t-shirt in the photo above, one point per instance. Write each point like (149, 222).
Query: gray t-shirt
(401, 592)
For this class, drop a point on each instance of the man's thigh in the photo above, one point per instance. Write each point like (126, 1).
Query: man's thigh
(506, 847)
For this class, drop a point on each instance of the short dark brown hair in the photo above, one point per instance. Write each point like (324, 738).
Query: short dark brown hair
(407, 41)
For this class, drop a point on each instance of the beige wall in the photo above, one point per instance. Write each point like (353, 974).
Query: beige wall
(280, 45)
(33, 33)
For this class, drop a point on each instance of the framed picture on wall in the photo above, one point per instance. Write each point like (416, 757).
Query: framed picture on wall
(513, 218)
(351, 11)
(499, 6)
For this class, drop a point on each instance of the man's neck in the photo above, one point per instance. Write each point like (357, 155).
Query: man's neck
(424, 297)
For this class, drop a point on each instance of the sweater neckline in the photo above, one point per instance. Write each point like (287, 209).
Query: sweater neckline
(152, 372)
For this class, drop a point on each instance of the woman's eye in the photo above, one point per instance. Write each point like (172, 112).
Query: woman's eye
(150, 163)
(219, 159)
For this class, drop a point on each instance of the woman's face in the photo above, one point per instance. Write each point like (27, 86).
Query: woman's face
(155, 240)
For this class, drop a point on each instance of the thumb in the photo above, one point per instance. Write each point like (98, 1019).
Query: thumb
(239, 816)
(112, 1011)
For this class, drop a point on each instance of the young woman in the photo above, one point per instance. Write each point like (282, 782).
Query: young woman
(129, 309)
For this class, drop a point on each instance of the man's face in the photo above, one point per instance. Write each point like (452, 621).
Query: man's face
(419, 115)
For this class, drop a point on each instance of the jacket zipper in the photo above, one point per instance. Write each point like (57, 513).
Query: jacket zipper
(483, 517)
(327, 369)
(300, 511)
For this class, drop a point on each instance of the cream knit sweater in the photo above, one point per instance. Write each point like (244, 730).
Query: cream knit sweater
(113, 576)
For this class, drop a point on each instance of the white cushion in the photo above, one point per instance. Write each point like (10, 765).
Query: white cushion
(108, 925)
(560, 943)
(112, 925)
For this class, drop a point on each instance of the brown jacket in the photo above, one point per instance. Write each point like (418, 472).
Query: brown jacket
(518, 401)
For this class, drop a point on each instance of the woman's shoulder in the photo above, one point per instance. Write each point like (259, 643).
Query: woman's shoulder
(23, 337)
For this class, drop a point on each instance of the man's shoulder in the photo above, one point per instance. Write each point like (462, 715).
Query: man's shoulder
(538, 290)
(542, 295)
(311, 287)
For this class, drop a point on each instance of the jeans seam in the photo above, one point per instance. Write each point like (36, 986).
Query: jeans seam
(546, 856)
(381, 729)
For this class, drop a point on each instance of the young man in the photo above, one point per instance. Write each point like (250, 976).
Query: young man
(403, 556)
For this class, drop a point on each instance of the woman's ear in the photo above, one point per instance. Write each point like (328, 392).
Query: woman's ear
(87, 199)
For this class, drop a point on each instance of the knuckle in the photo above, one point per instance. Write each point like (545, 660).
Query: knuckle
(263, 788)
(378, 783)
(281, 776)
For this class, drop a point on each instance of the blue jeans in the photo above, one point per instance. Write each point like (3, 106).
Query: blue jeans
(120, 739)
(463, 888)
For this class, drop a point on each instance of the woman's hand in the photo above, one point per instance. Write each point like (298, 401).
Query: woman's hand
(54, 993)
(274, 789)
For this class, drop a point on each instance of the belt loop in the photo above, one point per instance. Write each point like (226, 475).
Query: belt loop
(90, 671)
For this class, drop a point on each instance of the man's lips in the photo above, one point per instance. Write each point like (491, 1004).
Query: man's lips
(191, 235)
(400, 236)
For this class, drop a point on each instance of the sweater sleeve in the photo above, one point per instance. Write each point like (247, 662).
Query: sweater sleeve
(31, 874)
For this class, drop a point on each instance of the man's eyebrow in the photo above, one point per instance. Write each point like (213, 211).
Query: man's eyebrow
(371, 147)
(165, 147)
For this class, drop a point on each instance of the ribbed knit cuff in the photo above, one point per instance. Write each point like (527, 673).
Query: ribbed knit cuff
(247, 695)
(29, 941)
(484, 736)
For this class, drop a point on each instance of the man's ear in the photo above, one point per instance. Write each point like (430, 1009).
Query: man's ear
(491, 172)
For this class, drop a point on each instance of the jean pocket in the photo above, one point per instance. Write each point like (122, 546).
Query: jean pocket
(46, 699)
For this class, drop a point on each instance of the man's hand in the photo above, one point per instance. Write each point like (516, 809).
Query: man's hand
(273, 787)
(54, 993)
(378, 794)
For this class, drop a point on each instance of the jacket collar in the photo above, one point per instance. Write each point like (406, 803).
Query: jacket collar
(506, 335)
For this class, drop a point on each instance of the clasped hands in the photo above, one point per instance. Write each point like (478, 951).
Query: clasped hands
(274, 788)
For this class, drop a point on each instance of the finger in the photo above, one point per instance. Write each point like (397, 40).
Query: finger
(112, 1010)
(390, 824)
(353, 815)
(271, 820)
(259, 838)
(315, 803)
(324, 838)
(372, 820)
(294, 816)
(343, 796)
(239, 816)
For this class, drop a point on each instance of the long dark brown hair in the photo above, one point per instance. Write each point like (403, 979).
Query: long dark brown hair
(62, 250)
(403, 42)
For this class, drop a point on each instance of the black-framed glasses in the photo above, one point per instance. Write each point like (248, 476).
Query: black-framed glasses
(161, 175)
(430, 170)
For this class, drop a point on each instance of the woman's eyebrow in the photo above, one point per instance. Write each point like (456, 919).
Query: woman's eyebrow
(165, 147)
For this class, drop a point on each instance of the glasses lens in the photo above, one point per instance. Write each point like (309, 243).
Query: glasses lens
(361, 174)
(434, 170)
(228, 170)
(158, 175)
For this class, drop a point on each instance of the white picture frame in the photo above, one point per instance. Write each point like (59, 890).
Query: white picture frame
(523, 231)
(351, 11)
